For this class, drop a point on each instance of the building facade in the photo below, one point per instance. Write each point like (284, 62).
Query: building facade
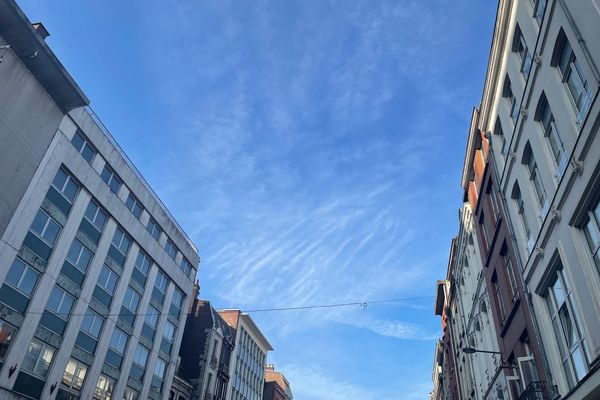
(248, 359)
(94, 270)
(541, 113)
(532, 178)
(206, 349)
(277, 386)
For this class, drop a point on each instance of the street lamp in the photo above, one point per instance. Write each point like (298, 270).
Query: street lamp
(471, 350)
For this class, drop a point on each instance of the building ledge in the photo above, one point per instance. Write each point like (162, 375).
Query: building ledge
(34, 53)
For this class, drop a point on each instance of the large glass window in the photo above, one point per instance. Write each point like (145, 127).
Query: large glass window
(534, 175)
(60, 302)
(572, 75)
(170, 248)
(568, 334)
(592, 232)
(185, 266)
(7, 333)
(22, 277)
(539, 10)
(131, 300)
(107, 279)
(74, 374)
(118, 341)
(121, 241)
(66, 185)
(154, 228)
(159, 373)
(79, 255)
(134, 205)
(520, 47)
(104, 388)
(546, 119)
(518, 198)
(95, 215)
(92, 323)
(83, 146)
(38, 358)
(45, 227)
(111, 179)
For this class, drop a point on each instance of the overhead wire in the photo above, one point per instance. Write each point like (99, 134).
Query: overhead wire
(362, 304)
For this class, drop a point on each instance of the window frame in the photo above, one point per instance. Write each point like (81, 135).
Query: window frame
(154, 228)
(82, 249)
(94, 219)
(109, 176)
(93, 316)
(35, 368)
(69, 384)
(85, 144)
(48, 221)
(62, 314)
(60, 188)
(110, 273)
(18, 285)
(131, 204)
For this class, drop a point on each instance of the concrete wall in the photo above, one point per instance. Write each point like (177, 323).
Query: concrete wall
(29, 119)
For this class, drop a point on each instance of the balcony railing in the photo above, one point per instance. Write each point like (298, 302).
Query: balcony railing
(540, 390)
(208, 396)
(214, 362)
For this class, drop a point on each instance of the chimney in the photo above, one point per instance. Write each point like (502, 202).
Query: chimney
(41, 30)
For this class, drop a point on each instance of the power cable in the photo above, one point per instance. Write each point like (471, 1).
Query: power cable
(363, 304)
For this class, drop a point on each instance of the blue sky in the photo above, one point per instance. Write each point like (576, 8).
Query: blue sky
(311, 149)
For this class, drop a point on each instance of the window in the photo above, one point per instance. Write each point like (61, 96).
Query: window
(107, 279)
(118, 341)
(64, 183)
(546, 120)
(485, 238)
(176, 302)
(512, 101)
(572, 75)
(134, 206)
(95, 215)
(74, 374)
(591, 230)
(143, 262)
(151, 317)
(169, 332)
(520, 47)
(154, 228)
(539, 9)
(140, 356)
(508, 265)
(60, 302)
(82, 145)
(159, 373)
(79, 255)
(130, 394)
(7, 333)
(104, 388)
(185, 266)
(121, 241)
(493, 202)
(38, 358)
(534, 176)
(111, 179)
(498, 132)
(170, 248)
(131, 300)
(92, 323)
(566, 328)
(518, 198)
(160, 287)
(22, 277)
(45, 227)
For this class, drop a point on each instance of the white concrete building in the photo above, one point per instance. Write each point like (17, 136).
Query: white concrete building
(541, 112)
(248, 359)
(94, 270)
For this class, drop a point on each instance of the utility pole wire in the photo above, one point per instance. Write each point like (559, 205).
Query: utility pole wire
(363, 304)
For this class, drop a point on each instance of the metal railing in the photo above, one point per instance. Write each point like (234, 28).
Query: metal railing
(138, 174)
(539, 390)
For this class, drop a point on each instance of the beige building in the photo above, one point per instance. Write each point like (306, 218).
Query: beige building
(541, 117)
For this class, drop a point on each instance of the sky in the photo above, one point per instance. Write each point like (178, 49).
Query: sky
(311, 149)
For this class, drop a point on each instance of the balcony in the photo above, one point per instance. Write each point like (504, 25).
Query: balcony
(540, 390)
